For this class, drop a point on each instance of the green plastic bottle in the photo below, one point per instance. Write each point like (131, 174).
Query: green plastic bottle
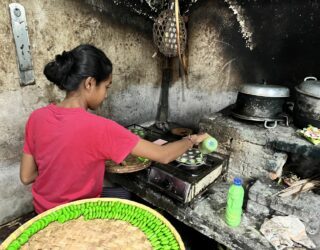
(208, 145)
(234, 203)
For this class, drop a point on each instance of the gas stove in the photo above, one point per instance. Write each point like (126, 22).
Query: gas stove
(177, 180)
(183, 184)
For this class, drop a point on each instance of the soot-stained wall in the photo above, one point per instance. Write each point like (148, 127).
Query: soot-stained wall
(286, 40)
(234, 42)
(215, 66)
(60, 25)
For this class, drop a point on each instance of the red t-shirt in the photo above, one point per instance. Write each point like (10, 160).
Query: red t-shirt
(70, 146)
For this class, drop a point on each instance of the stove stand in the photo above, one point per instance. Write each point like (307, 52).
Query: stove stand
(176, 180)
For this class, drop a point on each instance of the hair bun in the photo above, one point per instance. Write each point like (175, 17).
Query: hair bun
(65, 60)
(69, 69)
(57, 71)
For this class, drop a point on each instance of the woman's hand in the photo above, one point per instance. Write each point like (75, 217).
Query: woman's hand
(169, 152)
(196, 139)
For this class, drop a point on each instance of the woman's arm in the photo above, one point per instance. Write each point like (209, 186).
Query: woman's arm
(28, 169)
(166, 153)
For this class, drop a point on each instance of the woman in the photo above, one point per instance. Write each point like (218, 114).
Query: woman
(66, 147)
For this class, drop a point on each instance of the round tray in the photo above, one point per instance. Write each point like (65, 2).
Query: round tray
(129, 165)
(156, 230)
(141, 132)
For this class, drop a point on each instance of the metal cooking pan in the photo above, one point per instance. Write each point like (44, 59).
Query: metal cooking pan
(192, 159)
(261, 102)
(307, 105)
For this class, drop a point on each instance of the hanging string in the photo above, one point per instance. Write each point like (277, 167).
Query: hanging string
(181, 59)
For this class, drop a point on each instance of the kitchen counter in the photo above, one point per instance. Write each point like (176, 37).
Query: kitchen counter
(205, 215)
(254, 151)
(281, 138)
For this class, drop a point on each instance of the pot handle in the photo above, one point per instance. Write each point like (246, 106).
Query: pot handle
(288, 107)
(275, 123)
(310, 78)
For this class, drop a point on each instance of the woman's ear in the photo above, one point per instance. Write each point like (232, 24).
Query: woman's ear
(89, 82)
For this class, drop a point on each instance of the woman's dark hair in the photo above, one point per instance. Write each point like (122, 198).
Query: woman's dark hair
(70, 68)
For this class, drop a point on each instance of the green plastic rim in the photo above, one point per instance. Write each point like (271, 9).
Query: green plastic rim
(158, 230)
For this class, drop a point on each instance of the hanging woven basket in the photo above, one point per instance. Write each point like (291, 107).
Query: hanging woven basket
(165, 33)
(104, 223)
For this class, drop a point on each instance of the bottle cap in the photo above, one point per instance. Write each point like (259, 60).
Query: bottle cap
(237, 181)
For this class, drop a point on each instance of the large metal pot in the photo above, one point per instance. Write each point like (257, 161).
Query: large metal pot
(261, 102)
(307, 104)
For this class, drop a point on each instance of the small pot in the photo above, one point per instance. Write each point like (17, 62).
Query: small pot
(307, 104)
(261, 102)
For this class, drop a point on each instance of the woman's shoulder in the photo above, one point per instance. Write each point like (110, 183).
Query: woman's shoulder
(77, 115)
(38, 111)
(100, 119)
(105, 123)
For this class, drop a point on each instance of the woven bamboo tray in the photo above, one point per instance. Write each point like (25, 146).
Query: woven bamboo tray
(129, 165)
(157, 230)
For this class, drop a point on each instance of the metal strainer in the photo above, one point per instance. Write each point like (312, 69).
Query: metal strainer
(165, 33)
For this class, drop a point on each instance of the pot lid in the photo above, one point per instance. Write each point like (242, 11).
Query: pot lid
(265, 90)
(310, 86)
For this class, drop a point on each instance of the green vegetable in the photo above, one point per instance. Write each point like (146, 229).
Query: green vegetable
(143, 160)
